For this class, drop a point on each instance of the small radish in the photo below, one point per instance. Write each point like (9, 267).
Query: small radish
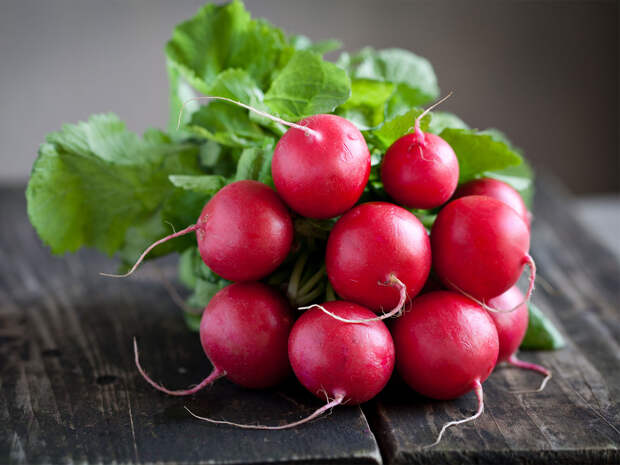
(480, 246)
(511, 328)
(244, 332)
(446, 346)
(244, 232)
(321, 171)
(343, 362)
(498, 190)
(420, 170)
(378, 255)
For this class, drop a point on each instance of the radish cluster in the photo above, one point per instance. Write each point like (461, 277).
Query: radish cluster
(452, 325)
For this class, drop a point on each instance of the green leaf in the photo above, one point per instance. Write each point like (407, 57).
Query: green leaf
(300, 42)
(94, 181)
(441, 120)
(194, 274)
(255, 163)
(366, 106)
(207, 184)
(478, 153)
(179, 93)
(398, 127)
(306, 86)
(541, 334)
(416, 83)
(219, 37)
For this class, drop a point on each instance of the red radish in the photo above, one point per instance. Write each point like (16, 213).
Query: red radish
(343, 362)
(244, 332)
(498, 190)
(420, 170)
(378, 255)
(321, 172)
(511, 328)
(480, 246)
(446, 346)
(244, 232)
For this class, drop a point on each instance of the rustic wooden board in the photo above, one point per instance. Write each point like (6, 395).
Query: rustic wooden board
(69, 392)
(576, 419)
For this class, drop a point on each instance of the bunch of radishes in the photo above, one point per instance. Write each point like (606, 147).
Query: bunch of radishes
(378, 259)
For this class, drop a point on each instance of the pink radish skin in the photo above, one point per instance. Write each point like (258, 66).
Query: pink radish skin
(321, 172)
(244, 332)
(370, 245)
(498, 190)
(446, 346)
(351, 361)
(420, 170)
(511, 328)
(244, 232)
(480, 246)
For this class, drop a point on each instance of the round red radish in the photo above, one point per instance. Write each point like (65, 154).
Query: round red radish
(244, 331)
(480, 246)
(371, 243)
(511, 326)
(352, 362)
(244, 232)
(445, 344)
(498, 190)
(420, 170)
(321, 172)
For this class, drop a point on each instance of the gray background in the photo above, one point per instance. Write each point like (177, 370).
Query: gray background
(545, 72)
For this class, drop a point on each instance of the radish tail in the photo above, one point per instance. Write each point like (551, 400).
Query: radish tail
(317, 413)
(514, 361)
(215, 374)
(187, 230)
(530, 289)
(396, 311)
(305, 129)
(479, 396)
(425, 112)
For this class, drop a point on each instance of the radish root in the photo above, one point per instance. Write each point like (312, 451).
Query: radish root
(416, 126)
(307, 130)
(514, 361)
(215, 374)
(479, 396)
(530, 289)
(187, 230)
(396, 311)
(317, 413)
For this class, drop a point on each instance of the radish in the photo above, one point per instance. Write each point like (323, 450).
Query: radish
(244, 232)
(343, 362)
(511, 328)
(320, 172)
(498, 190)
(446, 346)
(420, 170)
(244, 332)
(480, 246)
(378, 255)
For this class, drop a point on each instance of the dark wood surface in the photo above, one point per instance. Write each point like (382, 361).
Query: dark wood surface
(69, 391)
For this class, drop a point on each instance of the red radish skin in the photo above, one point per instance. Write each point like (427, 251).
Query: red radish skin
(244, 332)
(370, 245)
(446, 346)
(420, 170)
(511, 328)
(480, 246)
(498, 190)
(345, 363)
(244, 232)
(321, 174)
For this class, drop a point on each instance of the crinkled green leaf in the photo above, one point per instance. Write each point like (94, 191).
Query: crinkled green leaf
(180, 92)
(255, 164)
(397, 127)
(207, 184)
(93, 181)
(441, 120)
(300, 42)
(541, 334)
(366, 106)
(478, 152)
(308, 85)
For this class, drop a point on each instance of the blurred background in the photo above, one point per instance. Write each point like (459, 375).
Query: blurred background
(544, 72)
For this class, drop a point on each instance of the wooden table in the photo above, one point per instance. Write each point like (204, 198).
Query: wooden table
(69, 392)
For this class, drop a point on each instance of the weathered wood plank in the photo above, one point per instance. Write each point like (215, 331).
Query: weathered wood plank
(69, 392)
(577, 418)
